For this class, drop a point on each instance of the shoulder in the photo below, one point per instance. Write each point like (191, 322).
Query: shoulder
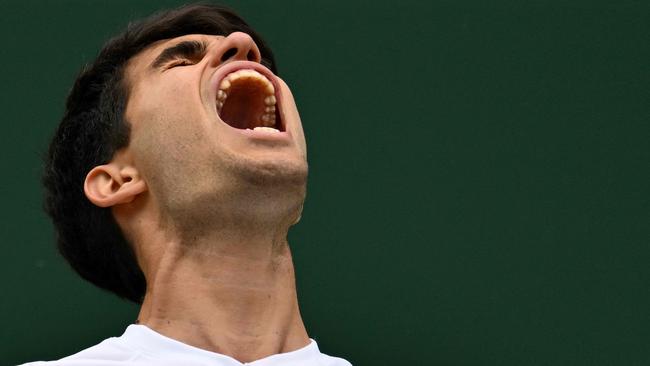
(107, 353)
(326, 360)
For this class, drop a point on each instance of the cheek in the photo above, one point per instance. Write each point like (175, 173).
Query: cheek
(169, 100)
(166, 137)
(167, 116)
(167, 158)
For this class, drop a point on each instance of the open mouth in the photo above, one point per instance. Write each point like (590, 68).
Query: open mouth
(246, 100)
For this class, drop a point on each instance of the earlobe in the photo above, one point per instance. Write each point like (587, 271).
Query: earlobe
(109, 185)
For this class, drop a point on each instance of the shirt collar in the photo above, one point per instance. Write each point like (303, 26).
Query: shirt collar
(155, 345)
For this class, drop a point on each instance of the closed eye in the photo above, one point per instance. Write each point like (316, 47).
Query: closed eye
(182, 54)
(181, 62)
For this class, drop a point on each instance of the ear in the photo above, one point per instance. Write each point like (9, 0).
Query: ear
(110, 184)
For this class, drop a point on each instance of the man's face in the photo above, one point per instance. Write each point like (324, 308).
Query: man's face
(194, 136)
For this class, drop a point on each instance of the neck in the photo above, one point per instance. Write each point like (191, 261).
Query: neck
(231, 292)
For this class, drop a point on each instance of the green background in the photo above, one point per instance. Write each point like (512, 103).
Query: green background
(479, 178)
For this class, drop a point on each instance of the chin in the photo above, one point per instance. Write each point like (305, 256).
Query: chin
(274, 173)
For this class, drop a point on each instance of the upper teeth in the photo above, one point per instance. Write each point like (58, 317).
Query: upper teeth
(268, 118)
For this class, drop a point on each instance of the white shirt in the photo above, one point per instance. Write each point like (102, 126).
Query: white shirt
(142, 346)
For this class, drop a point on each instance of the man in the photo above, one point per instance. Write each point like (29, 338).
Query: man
(172, 180)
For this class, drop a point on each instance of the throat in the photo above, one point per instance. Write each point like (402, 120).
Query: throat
(226, 302)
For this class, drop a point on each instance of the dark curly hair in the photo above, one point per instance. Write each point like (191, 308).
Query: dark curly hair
(93, 128)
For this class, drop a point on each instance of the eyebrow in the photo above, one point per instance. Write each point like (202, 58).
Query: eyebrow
(185, 49)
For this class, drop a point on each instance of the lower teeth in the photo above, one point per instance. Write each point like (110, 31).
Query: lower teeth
(268, 129)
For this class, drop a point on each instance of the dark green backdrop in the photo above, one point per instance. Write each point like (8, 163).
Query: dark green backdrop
(478, 187)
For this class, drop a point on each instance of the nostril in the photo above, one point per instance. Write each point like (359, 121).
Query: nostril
(228, 54)
(251, 55)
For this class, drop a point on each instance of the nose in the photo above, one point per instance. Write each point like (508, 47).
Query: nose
(239, 46)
